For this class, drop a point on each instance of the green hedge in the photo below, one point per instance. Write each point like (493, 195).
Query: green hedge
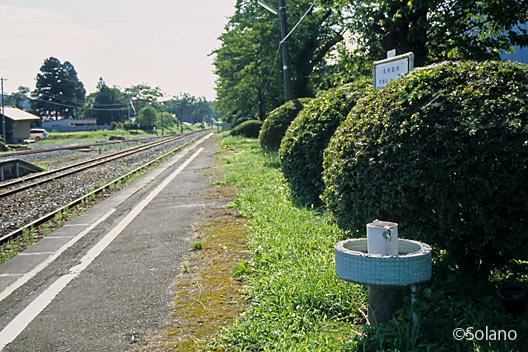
(277, 122)
(444, 152)
(248, 129)
(301, 150)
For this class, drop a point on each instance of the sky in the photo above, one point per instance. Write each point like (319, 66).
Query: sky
(163, 43)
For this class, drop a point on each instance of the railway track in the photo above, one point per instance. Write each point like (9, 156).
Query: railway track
(15, 194)
(23, 152)
(33, 180)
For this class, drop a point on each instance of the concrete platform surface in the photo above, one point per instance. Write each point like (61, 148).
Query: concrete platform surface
(103, 281)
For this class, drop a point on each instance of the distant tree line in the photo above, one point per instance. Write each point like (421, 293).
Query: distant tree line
(60, 94)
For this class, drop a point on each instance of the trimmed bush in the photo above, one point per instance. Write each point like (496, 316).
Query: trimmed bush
(248, 129)
(277, 122)
(301, 150)
(444, 152)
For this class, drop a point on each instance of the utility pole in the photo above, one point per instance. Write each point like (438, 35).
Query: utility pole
(181, 121)
(128, 106)
(284, 44)
(162, 123)
(3, 116)
(261, 110)
(285, 57)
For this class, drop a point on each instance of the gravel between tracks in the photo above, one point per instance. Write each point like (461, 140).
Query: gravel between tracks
(23, 207)
(60, 158)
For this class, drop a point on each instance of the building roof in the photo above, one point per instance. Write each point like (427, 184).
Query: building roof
(18, 115)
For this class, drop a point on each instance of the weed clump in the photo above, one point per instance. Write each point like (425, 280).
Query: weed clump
(196, 245)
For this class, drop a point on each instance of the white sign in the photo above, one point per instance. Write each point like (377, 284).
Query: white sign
(390, 69)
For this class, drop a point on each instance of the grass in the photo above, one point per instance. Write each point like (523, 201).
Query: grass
(299, 304)
(105, 134)
(101, 135)
(207, 296)
(31, 235)
(44, 164)
(196, 245)
(184, 265)
(90, 135)
(297, 301)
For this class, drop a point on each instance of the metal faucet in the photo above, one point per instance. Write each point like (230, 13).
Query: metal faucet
(387, 233)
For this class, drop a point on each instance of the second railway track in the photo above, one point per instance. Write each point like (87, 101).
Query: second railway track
(33, 180)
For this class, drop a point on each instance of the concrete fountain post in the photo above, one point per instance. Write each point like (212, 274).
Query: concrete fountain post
(382, 239)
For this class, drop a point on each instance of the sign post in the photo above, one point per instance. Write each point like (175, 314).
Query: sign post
(391, 68)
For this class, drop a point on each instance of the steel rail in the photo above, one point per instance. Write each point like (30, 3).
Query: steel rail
(50, 172)
(70, 147)
(78, 167)
(9, 154)
(45, 218)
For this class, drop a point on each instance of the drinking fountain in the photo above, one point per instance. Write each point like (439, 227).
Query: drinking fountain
(384, 262)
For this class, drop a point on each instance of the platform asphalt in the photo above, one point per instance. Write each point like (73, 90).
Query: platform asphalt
(104, 281)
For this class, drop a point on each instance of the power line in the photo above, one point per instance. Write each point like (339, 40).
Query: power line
(3, 113)
(101, 109)
(283, 44)
(298, 22)
(76, 106)
(285, 57)
(111, 21)
(272, 67)
(53, 96)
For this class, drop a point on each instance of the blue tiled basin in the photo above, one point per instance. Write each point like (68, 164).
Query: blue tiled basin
(411, 266)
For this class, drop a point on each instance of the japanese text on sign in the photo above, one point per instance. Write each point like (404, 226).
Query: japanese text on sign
(390, 69)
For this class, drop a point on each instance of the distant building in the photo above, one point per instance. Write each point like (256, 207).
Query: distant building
(18, 124)
(188, 117)
(52, 125)
(72, 125)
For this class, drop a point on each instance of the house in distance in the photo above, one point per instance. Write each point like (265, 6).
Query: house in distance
(17, 124)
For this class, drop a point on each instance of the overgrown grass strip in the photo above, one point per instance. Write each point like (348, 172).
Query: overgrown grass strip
(298, 303)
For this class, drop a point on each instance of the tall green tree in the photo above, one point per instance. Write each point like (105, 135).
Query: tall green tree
(248, 63)
(190, 108)
(58, 91)
(438, 30)
(148, 116)
(20, 98)
(143, 95)
(109, 104)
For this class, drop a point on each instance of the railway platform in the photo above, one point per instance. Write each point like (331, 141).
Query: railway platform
(104, 280)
